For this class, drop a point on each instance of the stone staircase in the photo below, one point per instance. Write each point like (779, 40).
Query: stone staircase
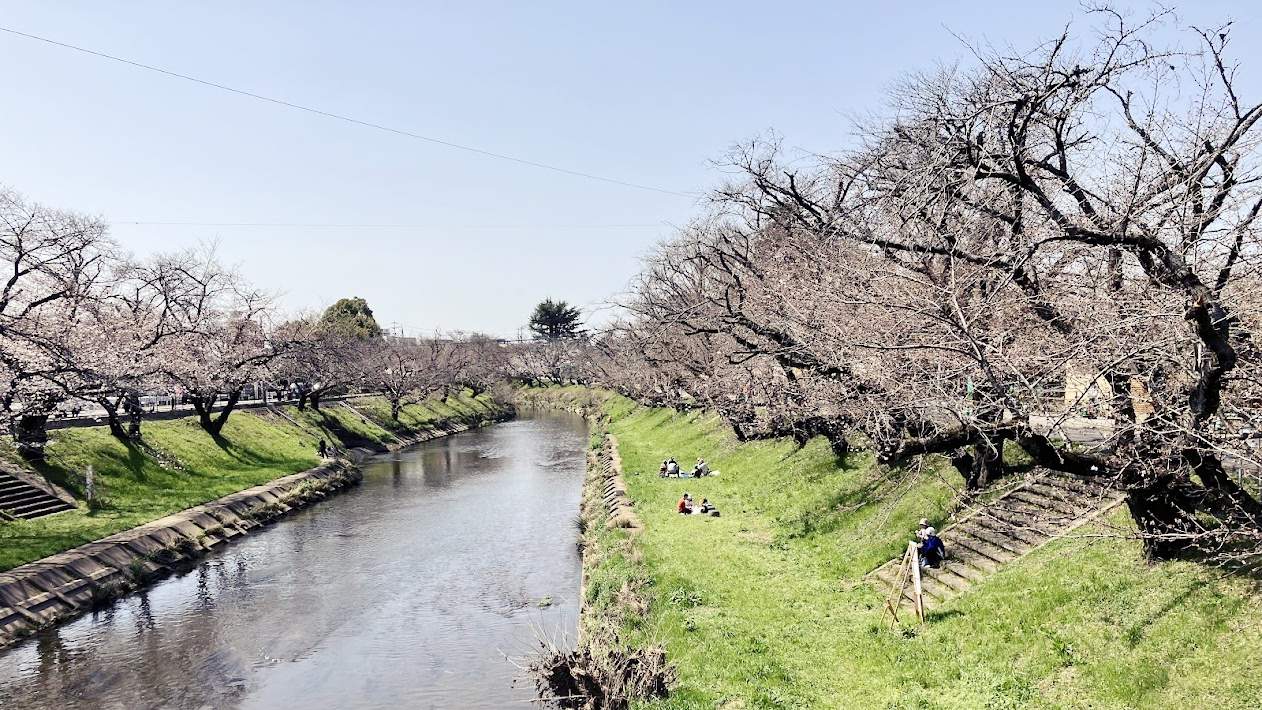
(22, 500)
(1046, 506)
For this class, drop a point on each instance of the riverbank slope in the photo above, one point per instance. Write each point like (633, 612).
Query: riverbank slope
(179, 466)
(767, 606)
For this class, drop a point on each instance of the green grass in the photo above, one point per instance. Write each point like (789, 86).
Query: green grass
(180, 466)
(421, 416)
(330, 420)
(766, 607)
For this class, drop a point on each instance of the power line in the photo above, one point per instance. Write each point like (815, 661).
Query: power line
(342, 117)
(327, 225)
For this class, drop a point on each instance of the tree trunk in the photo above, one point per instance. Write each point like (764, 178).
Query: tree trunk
(30, 432)
(982, 465)
(135, 412)
(302, 401)
(962, 460)
(987, 459)
(1223, 497)
(1123, 406)
(840, 445)
(133, 427)
(395, 407)
(220, 419)
(988, 465)
(203, 408)
(112, 419)
(315, 400)
(1162, 510)
(829, 428)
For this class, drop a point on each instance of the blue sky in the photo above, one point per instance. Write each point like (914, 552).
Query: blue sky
(648, 93)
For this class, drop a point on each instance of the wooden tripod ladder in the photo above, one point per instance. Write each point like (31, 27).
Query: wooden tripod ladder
(908, 571)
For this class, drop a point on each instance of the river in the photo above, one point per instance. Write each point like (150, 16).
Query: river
(418, 589)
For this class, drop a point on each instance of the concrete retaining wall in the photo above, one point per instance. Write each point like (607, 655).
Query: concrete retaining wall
(70, 583)
(613, 489)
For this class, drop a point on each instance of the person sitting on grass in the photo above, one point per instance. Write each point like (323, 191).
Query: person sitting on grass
(685, 504)
(707, 508)
(932, 551)
(662, 471)
(701, 469)
(672, 468)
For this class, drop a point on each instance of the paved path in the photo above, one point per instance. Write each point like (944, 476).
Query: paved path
(95, 416)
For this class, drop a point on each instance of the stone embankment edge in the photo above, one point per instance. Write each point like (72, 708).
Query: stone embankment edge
(605, 502)
(601, 668)
(60, 587)
(604, 491)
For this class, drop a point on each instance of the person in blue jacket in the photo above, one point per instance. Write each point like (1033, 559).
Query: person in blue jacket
(932, 551)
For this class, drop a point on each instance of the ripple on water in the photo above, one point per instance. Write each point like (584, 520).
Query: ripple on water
(413, 590)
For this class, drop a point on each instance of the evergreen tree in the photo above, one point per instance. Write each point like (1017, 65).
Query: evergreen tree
(351, 317)
(555, 320)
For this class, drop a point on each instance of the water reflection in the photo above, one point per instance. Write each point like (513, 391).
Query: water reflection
(407, 592)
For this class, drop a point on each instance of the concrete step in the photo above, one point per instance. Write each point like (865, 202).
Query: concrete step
(1003, 531)
(1063, 495)
(1021, 537)
(1051, 504)
(948, 576)
(27, 504)
(45, 509)
(1078, 485)
(22, 500)
(999, 544)
(887, 574)
(968, 564)
(987, 555)
(20, 496)
(888, 577)
(1020, 513)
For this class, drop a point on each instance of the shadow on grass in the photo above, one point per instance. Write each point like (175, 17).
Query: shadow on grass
(935, 615)
(251, 457)
(346, 437)
(1135, 633)
(840, 506)
(71, 479)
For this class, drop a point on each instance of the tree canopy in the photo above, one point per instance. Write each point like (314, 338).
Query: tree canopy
(351, 317)
(555, 320)
(1040, 234)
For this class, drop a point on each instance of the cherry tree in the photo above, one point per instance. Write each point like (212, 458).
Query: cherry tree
(53, 263)
(478, 362)
(224, 340)
(321, 360)
(399, 371)
(1089, 206)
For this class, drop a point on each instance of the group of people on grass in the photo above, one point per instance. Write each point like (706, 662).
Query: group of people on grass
(670, 469)
(686, 506)
(929, 546)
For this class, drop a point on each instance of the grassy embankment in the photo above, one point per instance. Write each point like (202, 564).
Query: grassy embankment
(766, 606)
(180, 466)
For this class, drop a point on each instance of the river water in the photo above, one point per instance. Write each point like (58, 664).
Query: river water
(420, 588)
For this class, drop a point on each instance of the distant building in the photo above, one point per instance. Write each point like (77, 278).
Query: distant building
(393, 339)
